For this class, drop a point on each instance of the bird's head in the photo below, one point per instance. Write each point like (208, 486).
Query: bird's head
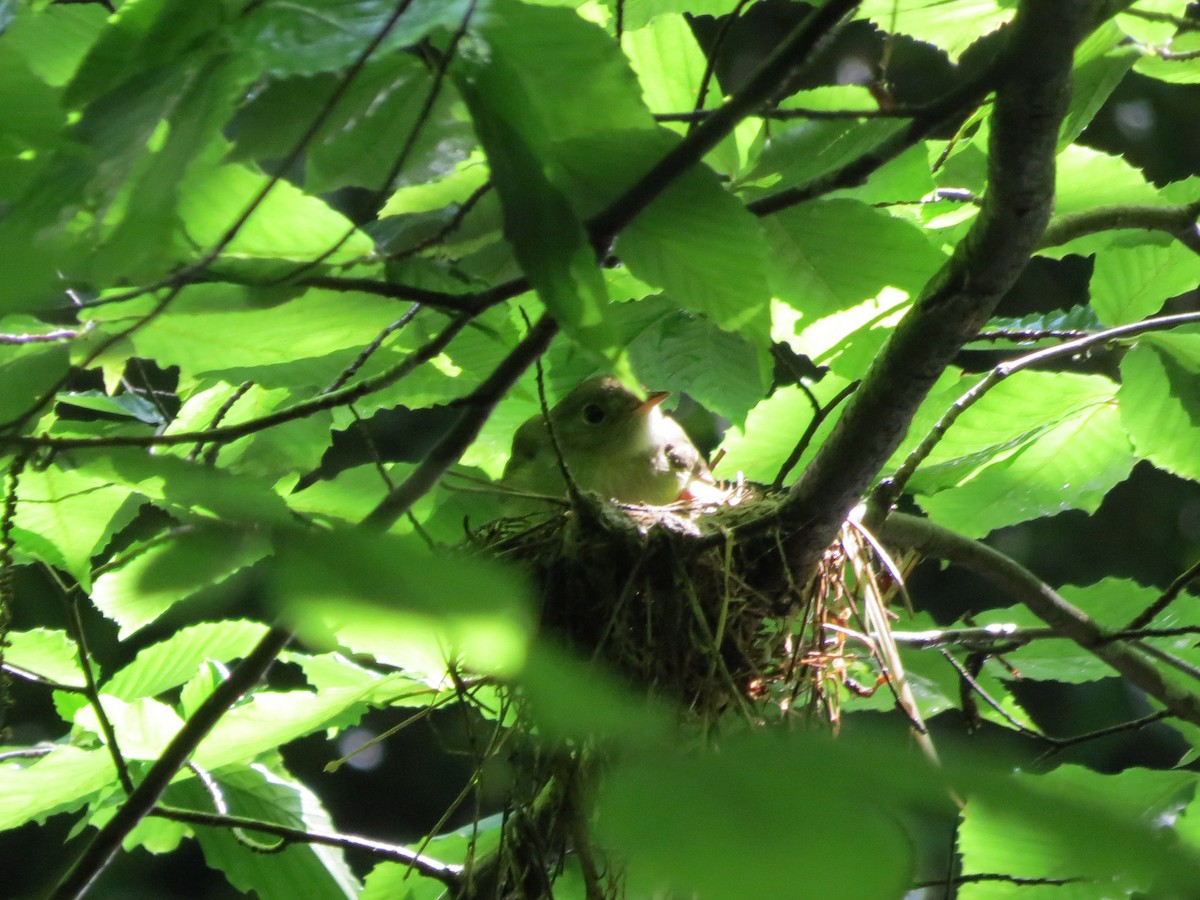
(602, 416)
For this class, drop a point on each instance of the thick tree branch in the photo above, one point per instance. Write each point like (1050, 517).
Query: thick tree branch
(1031, 100)
(903, 530)
(1177, 221)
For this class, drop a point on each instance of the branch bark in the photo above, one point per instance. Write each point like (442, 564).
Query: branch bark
(903, 530)
(1031, 100)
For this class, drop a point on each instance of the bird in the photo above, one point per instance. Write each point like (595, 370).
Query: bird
(614, 443)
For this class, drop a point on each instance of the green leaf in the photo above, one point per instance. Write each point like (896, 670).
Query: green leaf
(1089, 178)
(186, 487)
(46, 653)
(678, 817)
(28, 373)
(392, 598)
(33, 111)
(549, 241)
(333, 670)
(695, 240)
(268, 794)
(270, 719)
(670, 67)
(773, 429)
(1071, 464)
(285, 225)
(302, 37)
(133, 406)
(802, 153)
(1131, 283)
(142, 239)
(1173, 71)
(1095, 79)
(143, 728)
(1019, 410)
(72, 511)
(1077, 318)
(950, 25)
(454, 188)
(142, 41)
(818, 271)
(158, 576)
(640, 12)
(846, 341)
(383, 104)
(55, 39)
(1160, 407)
(1111, 603)
(685, 353)
(58, 782)
(1103, 830)
(170, 663)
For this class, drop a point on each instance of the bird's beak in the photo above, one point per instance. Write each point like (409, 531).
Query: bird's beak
(651, 401)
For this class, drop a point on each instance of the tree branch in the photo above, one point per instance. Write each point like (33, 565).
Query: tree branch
(796, 49)
(97, 855)
(1177, 221)
(425, 865)
(903, 530)
(225, 433)
(450, 447)
(889, 489)
(1031, 100)
(952, 108)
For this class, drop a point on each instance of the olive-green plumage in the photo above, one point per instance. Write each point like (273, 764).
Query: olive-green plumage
(614, 444)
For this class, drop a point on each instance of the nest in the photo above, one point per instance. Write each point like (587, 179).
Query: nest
(691, 608)
(672, 600)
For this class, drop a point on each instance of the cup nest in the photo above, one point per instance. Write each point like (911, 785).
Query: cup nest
(685, 602)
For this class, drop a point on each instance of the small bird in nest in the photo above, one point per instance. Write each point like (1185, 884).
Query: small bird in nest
(615, 444)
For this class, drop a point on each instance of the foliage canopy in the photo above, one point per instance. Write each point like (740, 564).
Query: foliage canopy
(239, 237)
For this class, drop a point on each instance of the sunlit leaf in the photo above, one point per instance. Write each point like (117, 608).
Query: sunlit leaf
(170, 663)
(394, 599)
(154, 578)
(47, 654)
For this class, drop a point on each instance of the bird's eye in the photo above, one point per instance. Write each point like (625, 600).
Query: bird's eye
(593, 414)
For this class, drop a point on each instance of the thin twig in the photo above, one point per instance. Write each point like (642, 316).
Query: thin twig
(300, 410)
(1174, 589)
(819, 416)
(458, 437)
(410, 140)
(446, 873)
(890, 488)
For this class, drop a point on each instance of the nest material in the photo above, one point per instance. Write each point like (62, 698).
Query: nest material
(672, 600)
(669, 598)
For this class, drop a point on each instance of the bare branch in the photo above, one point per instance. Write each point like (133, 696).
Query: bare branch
(450, 447)
(903, 530)
(1177, 221)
